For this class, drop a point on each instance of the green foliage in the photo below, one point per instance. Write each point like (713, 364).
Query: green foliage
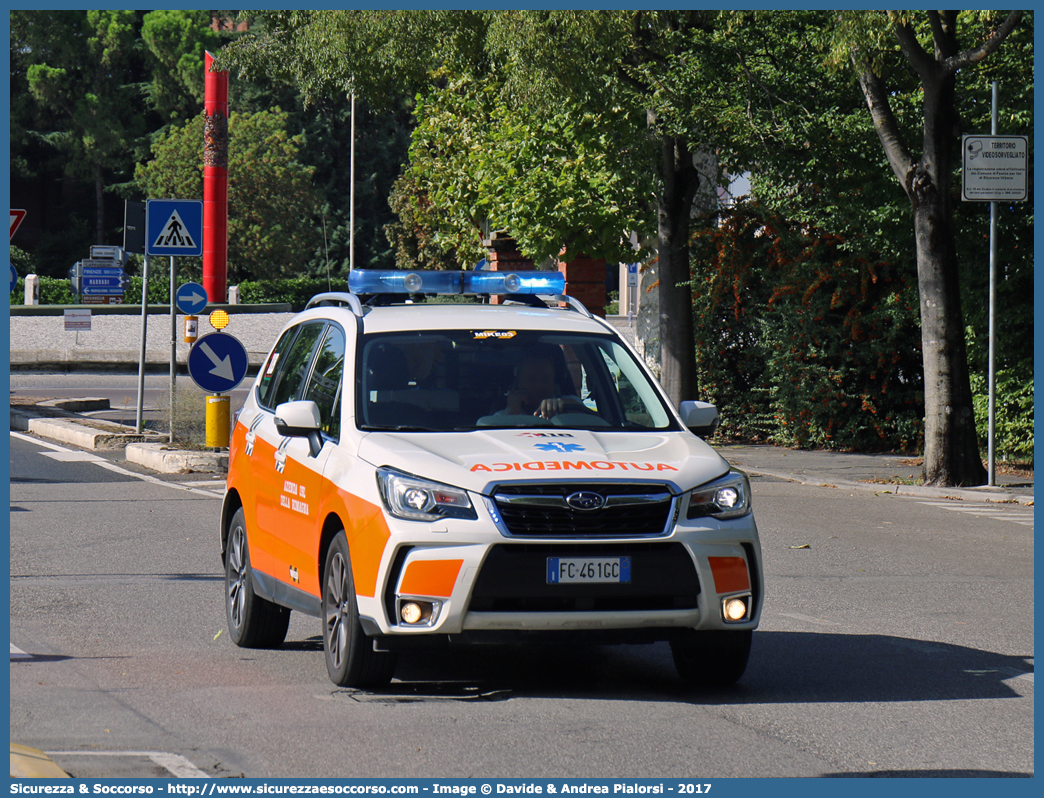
(297, 291)
(554, 180)
(80, 74)
(800, 341)
(176, 42)
(272, 228)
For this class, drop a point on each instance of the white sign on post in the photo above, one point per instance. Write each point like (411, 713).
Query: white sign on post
(77, 320)
(995, 168)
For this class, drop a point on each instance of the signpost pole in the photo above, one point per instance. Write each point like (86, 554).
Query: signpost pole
(173, 344)
(991, 479)
(138, 421)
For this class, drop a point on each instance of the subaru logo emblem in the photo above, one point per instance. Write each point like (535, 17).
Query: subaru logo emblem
(586, 500)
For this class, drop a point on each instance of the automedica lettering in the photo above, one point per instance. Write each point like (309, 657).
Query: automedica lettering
(574, 465)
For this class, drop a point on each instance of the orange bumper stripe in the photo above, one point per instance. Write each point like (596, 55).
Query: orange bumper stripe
(430, 578)
(730, 574)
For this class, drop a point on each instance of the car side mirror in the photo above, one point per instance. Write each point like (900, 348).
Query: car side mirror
(300, 420)
(700, 417)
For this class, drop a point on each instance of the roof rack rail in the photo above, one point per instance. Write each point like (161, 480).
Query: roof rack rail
(341, 298)
(536, 301)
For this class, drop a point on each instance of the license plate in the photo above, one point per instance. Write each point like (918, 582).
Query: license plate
(588, 570)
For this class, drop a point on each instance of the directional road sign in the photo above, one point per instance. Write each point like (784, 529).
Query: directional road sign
(191, 298)
(174, 227)
(217, 362)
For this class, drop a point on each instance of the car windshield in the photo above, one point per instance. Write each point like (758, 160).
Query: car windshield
(479, 379)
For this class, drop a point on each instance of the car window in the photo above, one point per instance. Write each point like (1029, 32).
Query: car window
(291, 370)
(466, 379)
(324, 386)
(270, 371)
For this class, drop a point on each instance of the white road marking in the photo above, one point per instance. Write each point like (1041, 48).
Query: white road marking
(74, 457)
(1009, 514)
(175, 764)
(103, 463)
(214, 487)
(17, 653)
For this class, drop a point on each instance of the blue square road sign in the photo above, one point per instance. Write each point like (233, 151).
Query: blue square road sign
(174, 227)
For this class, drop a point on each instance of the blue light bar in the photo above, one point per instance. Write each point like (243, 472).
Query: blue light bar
(374, 281)
(525, 282)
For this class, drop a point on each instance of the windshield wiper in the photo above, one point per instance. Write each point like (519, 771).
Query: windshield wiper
(399, 428)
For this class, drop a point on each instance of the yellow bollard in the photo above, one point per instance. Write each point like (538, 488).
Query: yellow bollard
(217, 422)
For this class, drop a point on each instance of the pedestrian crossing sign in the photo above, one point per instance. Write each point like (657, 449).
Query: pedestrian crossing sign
(174, 227)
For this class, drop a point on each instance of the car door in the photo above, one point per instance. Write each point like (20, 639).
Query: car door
(271, 454)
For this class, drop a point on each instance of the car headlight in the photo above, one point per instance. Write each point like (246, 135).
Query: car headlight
(418, 499)
(728, 497)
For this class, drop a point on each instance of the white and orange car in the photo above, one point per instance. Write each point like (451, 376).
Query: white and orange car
(419, 472)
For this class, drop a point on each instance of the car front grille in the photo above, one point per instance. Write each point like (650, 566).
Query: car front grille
(513, 578)
(542, 511)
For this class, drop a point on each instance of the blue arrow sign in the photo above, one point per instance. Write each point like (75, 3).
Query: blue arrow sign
(101, 282)
(191, 298)
(174, 227)
(109, 271)
(108, 288)
(217, 362)
(14, 278)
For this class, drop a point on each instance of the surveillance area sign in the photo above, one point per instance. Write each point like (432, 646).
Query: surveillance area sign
(995, 168)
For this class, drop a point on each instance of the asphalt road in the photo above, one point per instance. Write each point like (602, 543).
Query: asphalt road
(897, 640)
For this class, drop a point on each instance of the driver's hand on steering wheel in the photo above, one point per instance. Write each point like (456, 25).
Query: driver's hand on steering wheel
(550, 407)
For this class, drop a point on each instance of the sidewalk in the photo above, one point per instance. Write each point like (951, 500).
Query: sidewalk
(892, 473)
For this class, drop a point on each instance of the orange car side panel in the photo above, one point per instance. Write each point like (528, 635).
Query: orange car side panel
(367, 533)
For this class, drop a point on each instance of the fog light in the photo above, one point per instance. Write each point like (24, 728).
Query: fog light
(411, 612)
(735, 609)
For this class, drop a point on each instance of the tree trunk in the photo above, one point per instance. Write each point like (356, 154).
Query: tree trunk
(99, 199)
(951, 446)
(674, 205)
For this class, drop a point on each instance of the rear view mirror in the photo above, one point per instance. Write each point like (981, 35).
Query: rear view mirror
(300, 420)
(700, 417)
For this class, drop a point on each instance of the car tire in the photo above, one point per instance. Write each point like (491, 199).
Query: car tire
(253, 622)
(712, 658)
(350, 658)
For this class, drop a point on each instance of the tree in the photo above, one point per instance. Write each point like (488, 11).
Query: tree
(591, 59)
(272, 229)
(555, 180)
(176, 42)
(951, 445)
(83, 73)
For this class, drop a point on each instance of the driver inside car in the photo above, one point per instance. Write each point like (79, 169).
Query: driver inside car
(536, 390)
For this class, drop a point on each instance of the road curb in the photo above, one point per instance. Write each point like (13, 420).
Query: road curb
(166, 460)
(144, 449)
(84, 405)
(30, 763)
(960, 494)
(83, 435)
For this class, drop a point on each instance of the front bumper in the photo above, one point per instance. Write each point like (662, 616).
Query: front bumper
(481, 583)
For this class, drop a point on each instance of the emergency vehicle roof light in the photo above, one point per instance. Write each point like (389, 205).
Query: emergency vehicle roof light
(374, 281)
(527, 282)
